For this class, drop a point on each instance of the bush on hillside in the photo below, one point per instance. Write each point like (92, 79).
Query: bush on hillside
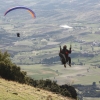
(52, 86)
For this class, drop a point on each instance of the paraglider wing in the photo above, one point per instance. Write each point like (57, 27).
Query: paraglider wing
(14, 8)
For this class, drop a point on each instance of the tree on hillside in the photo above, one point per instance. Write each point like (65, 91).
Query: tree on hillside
(4, 57)
(10, 71)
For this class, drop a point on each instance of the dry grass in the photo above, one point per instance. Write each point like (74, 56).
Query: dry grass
(10, 90)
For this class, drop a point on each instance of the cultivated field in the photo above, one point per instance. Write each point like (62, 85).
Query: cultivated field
(76, 74)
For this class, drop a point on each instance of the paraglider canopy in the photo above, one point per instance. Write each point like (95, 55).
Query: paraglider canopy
(18, 34)
(18, 7)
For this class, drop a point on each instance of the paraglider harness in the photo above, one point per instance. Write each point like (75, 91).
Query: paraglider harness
(62, 58)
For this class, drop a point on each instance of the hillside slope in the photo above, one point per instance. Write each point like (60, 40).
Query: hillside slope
(14, 91)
